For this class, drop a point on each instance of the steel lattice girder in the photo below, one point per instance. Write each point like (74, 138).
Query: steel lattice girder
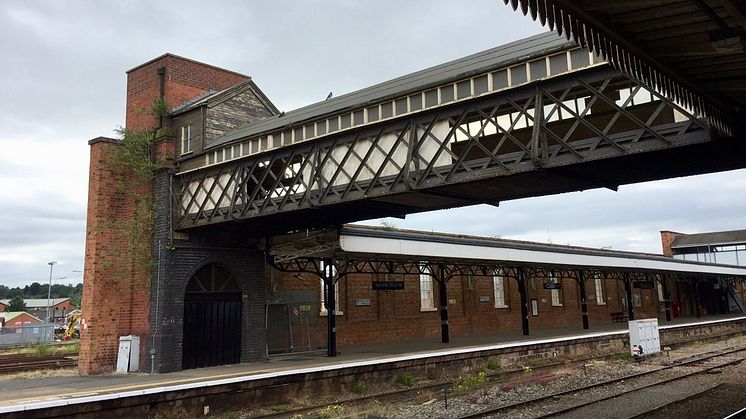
(591, 115)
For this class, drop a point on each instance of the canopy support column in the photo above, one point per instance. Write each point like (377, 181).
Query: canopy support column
(695, 285)
(666, 297)
(331, 304)
(628, 292)
(521, 279)
(443, 299)
(583, 300)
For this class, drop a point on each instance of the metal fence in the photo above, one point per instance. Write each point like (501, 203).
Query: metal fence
(288, 327)
(26, 335)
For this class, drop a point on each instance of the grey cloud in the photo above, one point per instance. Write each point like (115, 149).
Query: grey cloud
(63, 80)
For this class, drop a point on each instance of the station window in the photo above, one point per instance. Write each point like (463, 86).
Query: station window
(323, 310)
(556, 297)
(427, 298)
(599, 290)
(661, 295)
(498, 285)
(187, 143)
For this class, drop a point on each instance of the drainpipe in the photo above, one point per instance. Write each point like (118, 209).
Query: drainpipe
(162, 91)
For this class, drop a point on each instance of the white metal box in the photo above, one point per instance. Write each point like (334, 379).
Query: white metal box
(128, 358)
(644, 338)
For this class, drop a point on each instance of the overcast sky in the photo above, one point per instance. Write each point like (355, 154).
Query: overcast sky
(62, 83)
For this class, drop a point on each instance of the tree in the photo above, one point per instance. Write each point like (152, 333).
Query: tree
(16, 304)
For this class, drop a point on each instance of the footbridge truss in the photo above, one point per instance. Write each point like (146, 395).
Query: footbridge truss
(594, 127)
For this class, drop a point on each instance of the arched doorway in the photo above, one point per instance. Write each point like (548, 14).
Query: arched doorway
(212, 319)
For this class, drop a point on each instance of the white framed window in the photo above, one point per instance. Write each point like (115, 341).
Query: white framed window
(661, 296)
(322, 310)
(498, 286)
(427, 296)
(556, 297)
(187, 144)
(600, 300)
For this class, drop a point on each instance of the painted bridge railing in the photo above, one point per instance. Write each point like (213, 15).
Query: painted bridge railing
(590, 115)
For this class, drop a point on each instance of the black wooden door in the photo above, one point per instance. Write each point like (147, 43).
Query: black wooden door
(212, 329)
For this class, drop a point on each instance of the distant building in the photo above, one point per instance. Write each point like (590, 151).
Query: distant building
(59, 307)
(722, 247)
(17, 319)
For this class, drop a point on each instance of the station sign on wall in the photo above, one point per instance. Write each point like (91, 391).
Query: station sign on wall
(549, 285)
(645, 285)
(388, 285)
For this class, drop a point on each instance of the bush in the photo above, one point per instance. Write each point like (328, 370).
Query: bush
(493, 363)
(41, 349)
(358, 387)
(405, 379)
(462, 384)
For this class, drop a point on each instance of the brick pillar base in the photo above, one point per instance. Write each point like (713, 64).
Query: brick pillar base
(116, 288)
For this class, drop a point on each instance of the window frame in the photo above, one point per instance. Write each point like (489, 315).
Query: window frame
(599, 289)
(555, 293)
(322, 305)
(498, 277)
(427, 304)
(187, 139)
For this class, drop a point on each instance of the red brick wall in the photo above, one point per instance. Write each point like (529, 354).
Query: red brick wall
(21, 320)
(185, 79)
(396, 315)
(667, 237)
(117, 281)
(116, 292)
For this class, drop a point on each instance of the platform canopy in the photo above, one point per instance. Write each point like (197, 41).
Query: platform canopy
(693, 50)
(356, 243)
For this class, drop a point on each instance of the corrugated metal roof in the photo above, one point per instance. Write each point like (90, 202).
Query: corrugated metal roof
(714, 238)
(38, 302)
(504, 55)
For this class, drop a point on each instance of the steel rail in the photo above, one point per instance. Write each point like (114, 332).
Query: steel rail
(495, 410)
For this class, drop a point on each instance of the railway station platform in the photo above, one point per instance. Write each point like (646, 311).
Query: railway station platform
(70, 395)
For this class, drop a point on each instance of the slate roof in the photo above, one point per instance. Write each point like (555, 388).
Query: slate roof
(212, 97)
(714, 238)
(501, 56)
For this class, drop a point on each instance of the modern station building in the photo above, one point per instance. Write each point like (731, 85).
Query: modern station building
(223, 238)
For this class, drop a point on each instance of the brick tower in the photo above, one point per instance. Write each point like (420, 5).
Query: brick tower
(117, 285)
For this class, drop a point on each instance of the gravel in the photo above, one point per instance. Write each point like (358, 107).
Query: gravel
(541, 383)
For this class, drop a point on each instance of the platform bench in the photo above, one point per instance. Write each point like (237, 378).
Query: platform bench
(618, 317)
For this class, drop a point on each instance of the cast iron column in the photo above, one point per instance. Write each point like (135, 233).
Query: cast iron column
(628, 291)
(331, 303)
(524, 300)
(666, 297)
(583, 302)
(696, 297)
(443, 298)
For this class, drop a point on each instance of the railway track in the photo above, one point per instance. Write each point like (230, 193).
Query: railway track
(701, 363)
(12, 364)
(411, 393)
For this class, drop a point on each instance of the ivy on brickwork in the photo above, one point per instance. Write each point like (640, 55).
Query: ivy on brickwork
(159, 107)
(134, 165)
